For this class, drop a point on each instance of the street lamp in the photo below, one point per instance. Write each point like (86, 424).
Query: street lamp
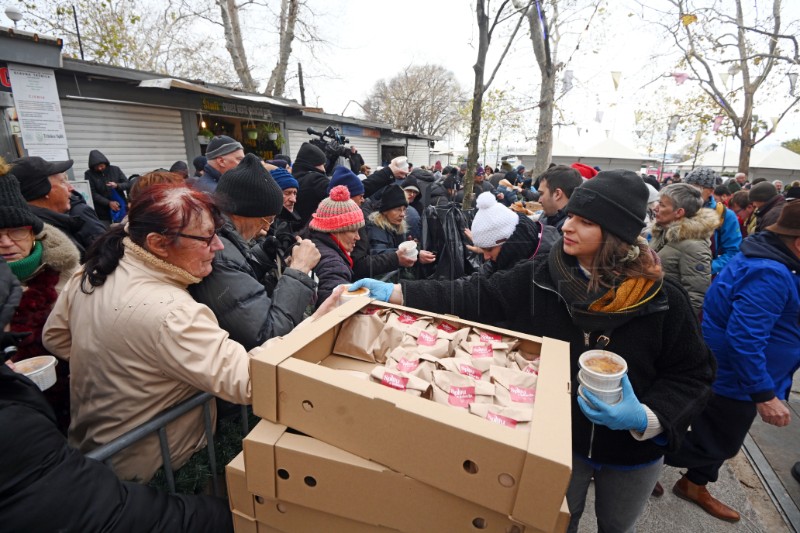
(14, 14)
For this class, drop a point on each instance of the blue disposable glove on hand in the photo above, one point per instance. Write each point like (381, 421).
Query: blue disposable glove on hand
(377, 289)
(628, 414)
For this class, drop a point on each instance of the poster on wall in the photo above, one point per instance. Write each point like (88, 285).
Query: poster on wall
(39, 111)
(82, 186)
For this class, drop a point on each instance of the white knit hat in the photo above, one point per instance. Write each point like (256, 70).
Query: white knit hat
(494, 223)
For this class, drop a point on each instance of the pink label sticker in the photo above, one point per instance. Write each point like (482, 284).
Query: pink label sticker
(394, 381)
(461, 396)
(426, 338)
(470, 371)
(482, 350)
(369, 311)
(405, 318)
(405, 365)
(500, 419)
(521, 394)
(447, 328)
(490, 337)
(530, 369)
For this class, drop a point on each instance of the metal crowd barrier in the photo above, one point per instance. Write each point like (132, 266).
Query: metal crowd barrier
(158, 424)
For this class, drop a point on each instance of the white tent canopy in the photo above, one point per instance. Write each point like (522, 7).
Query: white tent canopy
(771, 163)
(607, 154)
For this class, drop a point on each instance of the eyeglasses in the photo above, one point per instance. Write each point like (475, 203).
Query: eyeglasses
(268, 220)
(17, 234)
(207, 240)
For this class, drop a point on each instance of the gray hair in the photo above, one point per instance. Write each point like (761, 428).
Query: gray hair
(683, 195)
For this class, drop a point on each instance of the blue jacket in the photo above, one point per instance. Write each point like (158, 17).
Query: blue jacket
(209, 180)
(750, 321)
(727, 238)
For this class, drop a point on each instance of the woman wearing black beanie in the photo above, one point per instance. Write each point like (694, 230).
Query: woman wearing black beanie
(600, 286)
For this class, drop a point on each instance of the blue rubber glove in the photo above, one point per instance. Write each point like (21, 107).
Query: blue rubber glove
(377, 289)
(628, 414)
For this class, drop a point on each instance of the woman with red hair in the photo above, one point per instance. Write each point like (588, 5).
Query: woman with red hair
(136, 340)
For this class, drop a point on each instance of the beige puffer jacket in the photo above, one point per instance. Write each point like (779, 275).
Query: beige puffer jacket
(685, 251)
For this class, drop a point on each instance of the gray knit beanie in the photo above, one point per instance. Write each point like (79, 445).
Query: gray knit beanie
(763, 192)
(703, 176)
(222, 145)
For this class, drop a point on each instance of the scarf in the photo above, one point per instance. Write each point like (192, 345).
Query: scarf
(345, 252)
(603, 308)
(25, 267)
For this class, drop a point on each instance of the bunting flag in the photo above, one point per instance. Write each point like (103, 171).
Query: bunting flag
(724, 76)
(792, 82)
(567, 84)
(599, 116)
(698, 136)
(688, 19)
(774, 122)
(673, 123)
(616, 75)
(680, 77)
(717, 123)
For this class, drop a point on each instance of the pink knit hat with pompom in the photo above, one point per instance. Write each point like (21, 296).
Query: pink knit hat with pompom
(337, 213)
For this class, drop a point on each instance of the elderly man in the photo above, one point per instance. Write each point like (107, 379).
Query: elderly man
(45, 187)
(738, 183)
(768, 202)
(222, 154)
(356, 161)
(250, 199)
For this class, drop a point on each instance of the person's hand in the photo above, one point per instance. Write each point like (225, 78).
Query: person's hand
(330, 303)
(268, 166)
(426, 257)
(112, 184)
(774, 412)
(398, 170)
(500, 196)
(377, 289)
(404, 260)
(113, 205)
(628, 414)
(305, 255)
(468, 233)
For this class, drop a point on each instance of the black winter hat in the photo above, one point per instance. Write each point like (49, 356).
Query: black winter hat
(763, 192)
(248, 190)
(14, 210)
(393, 196)
(616, 200)
(310, 155)
(32, 174)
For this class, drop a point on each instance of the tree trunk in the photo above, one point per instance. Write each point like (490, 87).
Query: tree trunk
(229, 12)
(746, 137)
(477, 102)
(540, 38)
(277, 80)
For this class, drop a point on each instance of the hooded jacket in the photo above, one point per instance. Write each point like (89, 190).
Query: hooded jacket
(685, 251)
(101, 193)
(727, 237)
(769, 213)
(239, 300)
(333, 268)
(750, 321)
(669, 366)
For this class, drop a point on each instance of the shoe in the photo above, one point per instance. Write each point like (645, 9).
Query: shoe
(796, 472)
(658, 490)
(699, 494)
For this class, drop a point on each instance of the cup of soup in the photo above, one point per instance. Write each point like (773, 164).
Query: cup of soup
(347, 295)
(601, 369)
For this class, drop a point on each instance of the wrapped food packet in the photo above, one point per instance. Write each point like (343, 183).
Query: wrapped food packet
(466, 367)
(400, 381)
(430, 341)
(513, 387)
(482, 355)
(452, 333)
(524, 362)
(399, 323)
(411, 362)
(495, 339)
(511, 417)
(456, 390)
(359, 336)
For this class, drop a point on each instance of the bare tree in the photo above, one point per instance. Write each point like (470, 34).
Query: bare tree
(277, 80)
(229, 12)
(713, 38)
(423, 99)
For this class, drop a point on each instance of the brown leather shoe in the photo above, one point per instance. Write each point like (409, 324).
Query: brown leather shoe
(699, 494)
(658, 490)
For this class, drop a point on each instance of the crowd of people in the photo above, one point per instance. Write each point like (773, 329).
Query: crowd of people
(171, 282)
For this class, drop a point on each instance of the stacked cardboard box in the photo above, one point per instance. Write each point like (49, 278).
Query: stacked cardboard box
(374, 459)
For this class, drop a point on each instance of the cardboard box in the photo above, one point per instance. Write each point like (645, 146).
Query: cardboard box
(521, 474)
(303, 470)
(257, 514)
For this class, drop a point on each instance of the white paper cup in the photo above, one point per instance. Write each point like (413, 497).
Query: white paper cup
(409, 249)
(41, 370)
(597, 379)
(346, 295)
(611, 397)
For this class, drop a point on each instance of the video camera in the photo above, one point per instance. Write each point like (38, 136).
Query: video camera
(332, 143)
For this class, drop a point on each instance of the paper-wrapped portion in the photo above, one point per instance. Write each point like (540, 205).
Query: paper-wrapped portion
(511, 417)
(359, 337)
(430, 341)
(524, 362)
(498, 342)
(452, 333)
(513, 387)
(401, 381)
(482, 355)
(412, 362)
(466, 367)
(460, 391)
(398, 324)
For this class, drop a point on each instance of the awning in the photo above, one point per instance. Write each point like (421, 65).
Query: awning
(172, 83)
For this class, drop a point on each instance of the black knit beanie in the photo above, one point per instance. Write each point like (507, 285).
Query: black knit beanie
(309, 155)
(14, 210)
(616, 200)
(248, 190)
(393, 196)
